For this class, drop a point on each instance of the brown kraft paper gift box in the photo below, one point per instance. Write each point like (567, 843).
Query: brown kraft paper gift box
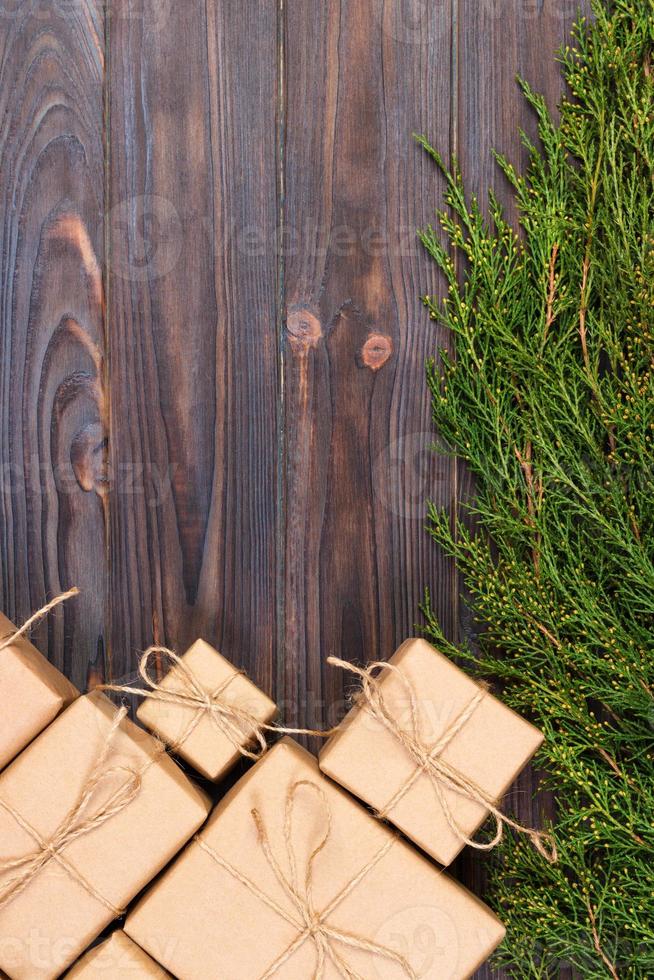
(71, 895)
(198, 738)
(117, 956)
(365, 901)
(490, 749)
(33, 693)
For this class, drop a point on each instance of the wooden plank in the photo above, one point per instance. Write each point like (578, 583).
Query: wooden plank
(360, 77)
(494, 42)
(192, 328)
(52, 393)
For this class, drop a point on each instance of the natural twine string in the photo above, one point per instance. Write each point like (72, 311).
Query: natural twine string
(237, 724)
(81, 820)
(33, 620)
(311, 923)
(242, 728)
(429, 762)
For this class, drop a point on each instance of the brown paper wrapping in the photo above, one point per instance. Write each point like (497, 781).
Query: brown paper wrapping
(33, 693)
(403, 903)
(205, 747)
(54, 919)
(116, 957)
(490, 749)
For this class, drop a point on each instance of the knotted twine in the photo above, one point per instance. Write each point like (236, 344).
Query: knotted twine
(312, 924)
(429, 761)
(236, 723)
(81, 820)
(33, 620)
(242, 728)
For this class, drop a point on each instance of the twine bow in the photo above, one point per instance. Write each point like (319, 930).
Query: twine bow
(81, 820)
(311, 923)
(429, 761)
(238, 724)
(29, 624)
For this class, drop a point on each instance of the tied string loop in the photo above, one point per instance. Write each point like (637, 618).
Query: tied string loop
(239, 725)
(84, 817)
(311, 923)
(29, 624)
(429, 762)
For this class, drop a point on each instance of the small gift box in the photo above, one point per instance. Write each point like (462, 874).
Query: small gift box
(89, 813)
(430, 750)
(292, 878)
(207, 711)
(33, 692)
(117, 956)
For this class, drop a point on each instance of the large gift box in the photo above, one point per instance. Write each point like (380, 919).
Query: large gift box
(206, 710)
(292, 878)
(33, 692)
(89, 813)
(116, 957)
(425, 746)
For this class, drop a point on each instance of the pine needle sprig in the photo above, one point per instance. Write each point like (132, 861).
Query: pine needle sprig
(549, 400)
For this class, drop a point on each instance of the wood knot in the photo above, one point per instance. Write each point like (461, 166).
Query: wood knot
(376, 351)
(304, 330)
(89, 458)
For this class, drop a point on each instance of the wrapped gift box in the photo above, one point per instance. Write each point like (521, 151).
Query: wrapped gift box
(490, 749)
(71, 895)
(200, 739)
(231, 905)
(116, 957)
(33, 693)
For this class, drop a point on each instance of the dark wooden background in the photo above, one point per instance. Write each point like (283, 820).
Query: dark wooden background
(213, 413)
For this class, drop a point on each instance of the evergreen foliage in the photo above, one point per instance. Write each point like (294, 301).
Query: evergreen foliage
(549, 399)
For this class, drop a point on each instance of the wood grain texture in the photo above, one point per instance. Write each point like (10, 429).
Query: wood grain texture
(235, 445)
(52, 346)
(192, 327)
(360, 78)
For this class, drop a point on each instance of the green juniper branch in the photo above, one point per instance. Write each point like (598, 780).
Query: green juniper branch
(550, 402)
